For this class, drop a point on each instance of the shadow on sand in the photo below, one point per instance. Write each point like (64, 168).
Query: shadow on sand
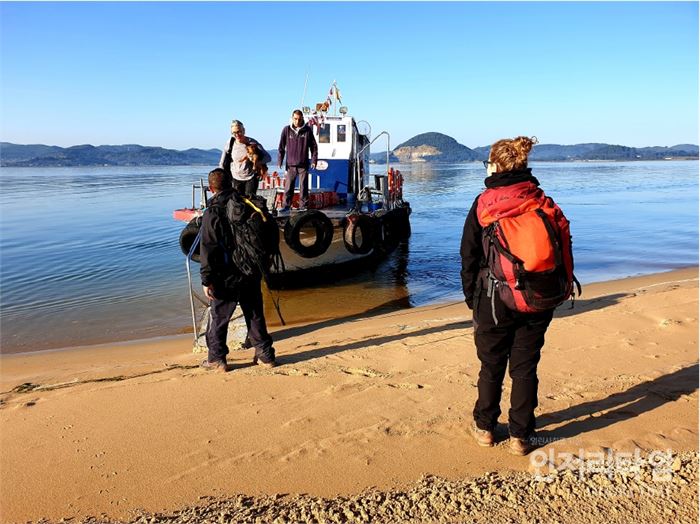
(618, 407)
(311, 354)
(581, 306)
(399, 305)
(387, 307)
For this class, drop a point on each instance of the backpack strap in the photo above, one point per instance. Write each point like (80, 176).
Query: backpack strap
(256, 208)
(552, 235)
(490, 231)
(573, 293)
(227, 157)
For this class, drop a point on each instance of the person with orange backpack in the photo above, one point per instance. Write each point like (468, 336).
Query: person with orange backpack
(517, 267)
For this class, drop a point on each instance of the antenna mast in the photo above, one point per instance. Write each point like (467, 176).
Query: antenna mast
(306, 81)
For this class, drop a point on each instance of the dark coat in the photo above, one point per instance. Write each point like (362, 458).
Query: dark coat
(216, 265)
(471, 249)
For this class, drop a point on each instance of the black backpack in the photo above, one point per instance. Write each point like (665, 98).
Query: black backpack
(255, 247)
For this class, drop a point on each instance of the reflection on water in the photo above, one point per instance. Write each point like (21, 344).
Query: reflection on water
(381, 288)
(91, 254)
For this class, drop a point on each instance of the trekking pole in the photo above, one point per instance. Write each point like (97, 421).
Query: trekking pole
(275, 303)
(189, 281)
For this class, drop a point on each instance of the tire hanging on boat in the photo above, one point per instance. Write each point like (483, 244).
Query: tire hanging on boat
(390, 232)
(362, 226)
(188, 236)
(323, 229)
(401, 223)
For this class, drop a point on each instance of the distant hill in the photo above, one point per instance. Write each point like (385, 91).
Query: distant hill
(436, 147)
(37, 155)
(426, 147)
(596, 151)
(433, 147)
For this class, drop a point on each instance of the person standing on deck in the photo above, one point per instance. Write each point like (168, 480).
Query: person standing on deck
(236, 162)
(297, 141)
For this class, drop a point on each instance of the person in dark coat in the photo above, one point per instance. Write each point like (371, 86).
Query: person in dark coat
(515, 339)
(297, 142)
(225, 286)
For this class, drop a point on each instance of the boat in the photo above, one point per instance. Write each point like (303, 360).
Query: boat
(354, 218)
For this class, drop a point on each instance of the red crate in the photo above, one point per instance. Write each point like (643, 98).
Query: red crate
(317, 199)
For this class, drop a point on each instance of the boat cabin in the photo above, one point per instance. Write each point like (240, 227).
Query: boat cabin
(339, 168)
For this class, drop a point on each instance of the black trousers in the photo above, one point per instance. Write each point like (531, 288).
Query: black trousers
(249, 296)
(515, 342)
(292, 174)
(246, 187)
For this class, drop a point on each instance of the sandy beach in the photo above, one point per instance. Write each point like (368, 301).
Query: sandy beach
(373, 405)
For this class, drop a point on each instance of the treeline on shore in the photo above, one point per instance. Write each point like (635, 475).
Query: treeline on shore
(426, 147)
(437, 147)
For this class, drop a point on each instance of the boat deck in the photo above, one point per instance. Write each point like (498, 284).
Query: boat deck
(336, 214)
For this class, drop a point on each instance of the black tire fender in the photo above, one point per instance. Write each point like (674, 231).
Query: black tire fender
(188, 236)
(401, 223)
(388, 238)
(323, 229)
(366, 226)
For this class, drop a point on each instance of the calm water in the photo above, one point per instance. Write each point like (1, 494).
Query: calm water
(91, 255)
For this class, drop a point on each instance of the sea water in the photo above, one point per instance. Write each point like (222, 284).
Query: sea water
(90, 255)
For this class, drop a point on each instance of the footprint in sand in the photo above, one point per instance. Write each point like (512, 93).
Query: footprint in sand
(406, 385)
(301, 421)
(294, 372)
(310, 344)
(363, 372)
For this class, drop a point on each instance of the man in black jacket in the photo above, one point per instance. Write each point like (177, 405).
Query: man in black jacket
(297, 142)
(225, 286)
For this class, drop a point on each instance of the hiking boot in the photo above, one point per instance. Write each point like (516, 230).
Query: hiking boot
(483, 437)
(219, 366)
(519, 446)
(264, 362)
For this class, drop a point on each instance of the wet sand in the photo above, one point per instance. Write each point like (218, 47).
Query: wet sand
(377, 400)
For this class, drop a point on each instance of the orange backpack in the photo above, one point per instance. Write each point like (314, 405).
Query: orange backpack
(527, 244)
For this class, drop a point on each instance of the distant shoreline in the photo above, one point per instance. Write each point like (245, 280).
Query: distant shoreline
(427, 147)
(373, 162)
(587, 161)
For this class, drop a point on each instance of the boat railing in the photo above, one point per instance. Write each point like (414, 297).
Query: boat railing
(196, 324)
(388, 140)
(381, 181)
(203, 190)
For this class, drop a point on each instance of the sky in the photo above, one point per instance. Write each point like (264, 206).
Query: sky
(175, 74)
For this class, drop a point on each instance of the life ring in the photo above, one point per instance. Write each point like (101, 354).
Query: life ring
(323, 229)
(362, 226)
(188, 236)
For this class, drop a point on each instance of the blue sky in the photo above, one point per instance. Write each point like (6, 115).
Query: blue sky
(175, 74)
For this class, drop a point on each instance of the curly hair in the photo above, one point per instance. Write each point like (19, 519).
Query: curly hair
(511, 154)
